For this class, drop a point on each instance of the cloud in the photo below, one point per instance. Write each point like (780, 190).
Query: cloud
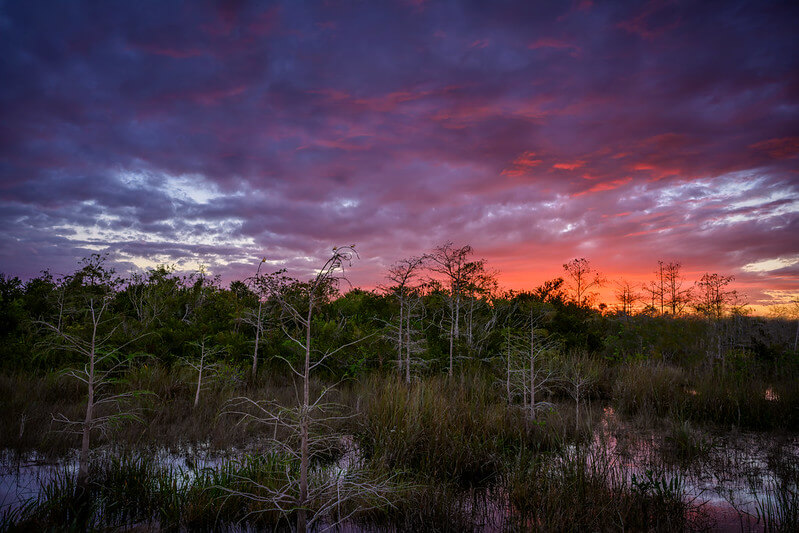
(606, 186)
(195, 133)
(784, 148)
(522, 165)
(555, 44)
(569, 166)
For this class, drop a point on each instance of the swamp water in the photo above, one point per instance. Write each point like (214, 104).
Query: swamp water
(731, 481)
(737, 480)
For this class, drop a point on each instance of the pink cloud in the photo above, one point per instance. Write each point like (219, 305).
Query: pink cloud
(569, 166)
(522, 165)
(781, 148)
(605, 186)
(557, 44)
(655, 20)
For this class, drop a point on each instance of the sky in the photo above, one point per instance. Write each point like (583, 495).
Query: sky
(222, 133)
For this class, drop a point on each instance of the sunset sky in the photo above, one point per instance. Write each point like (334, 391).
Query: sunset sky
(220, 133)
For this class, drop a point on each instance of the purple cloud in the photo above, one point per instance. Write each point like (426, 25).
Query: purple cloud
(623, 132)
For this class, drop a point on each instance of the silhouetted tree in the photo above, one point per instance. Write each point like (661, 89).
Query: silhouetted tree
(712, 295)
(453, 264)
(583, 278)
(402, 274)
(627, 294)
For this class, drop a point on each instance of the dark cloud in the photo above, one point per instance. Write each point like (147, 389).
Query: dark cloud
(620, 131)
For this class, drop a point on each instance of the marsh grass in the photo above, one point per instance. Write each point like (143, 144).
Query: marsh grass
(461, 456)
(583, 489)
(684, 444)
(707, 395)
(167, 418)
(137, 489)
(456, 429)
(778, 509)
(27, 405)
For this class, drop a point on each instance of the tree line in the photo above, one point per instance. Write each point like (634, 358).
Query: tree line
(433, 313)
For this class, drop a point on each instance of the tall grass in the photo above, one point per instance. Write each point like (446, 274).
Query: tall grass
(167, 416)
(463, 458)
(583, 489)
(137, 489)
(27, 405)
(778, 509)
(455, 429)
(706, 395)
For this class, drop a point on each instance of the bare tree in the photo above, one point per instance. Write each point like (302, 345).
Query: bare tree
(526, 343)
(205, 369)
(676, 297)
(660, 286)
(85, 325)
(794, 312)
(579, 375)
(298, 303)
(712, 295)
(511, 353)
(402, 274)
(651, 289)
(627, 294)
(540, 343)
(415, 342)
(255, 319)
(583, 278)
(453, 264)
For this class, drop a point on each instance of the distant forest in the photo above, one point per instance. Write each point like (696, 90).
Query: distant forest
(434, 313)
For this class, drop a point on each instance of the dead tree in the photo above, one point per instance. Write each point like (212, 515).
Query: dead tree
(579, 375)
(298, 304)
(205, 370)
(526, 345)
(712, 296)
(260, 288)
(414, 338)
(540, 343)
(453, 264)
(401, 274)
(627, 295)
(676, 297)
(85, 325)
(583, 278)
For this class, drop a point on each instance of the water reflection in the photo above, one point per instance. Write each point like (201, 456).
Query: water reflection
(733, 477)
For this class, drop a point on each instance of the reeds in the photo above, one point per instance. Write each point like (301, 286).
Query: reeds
(584, 489)
(706, 395)
(139, 489)
(460, 457)
(455, 429)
